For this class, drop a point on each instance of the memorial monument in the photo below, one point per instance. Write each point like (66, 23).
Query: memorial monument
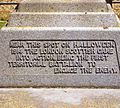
(62, 43)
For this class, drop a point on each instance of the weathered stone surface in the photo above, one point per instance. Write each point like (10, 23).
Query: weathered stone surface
(59, 57)
(63, 6)
(59, 98)
(81, 19)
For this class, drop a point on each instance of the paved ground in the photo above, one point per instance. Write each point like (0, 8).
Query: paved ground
(59, 98)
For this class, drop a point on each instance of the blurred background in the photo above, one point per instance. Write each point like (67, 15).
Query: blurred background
(5, 10)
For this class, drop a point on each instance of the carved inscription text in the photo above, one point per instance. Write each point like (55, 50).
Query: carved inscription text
(65, 56)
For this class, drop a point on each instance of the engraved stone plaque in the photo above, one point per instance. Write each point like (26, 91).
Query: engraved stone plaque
(65, 56)
(59, 57)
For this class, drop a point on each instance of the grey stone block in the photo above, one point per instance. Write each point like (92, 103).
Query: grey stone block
(59, 57)
(59, 98)
(81, 19)
(63, 6)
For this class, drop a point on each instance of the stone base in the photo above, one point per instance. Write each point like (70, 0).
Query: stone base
(59, 98)
(72, 19)
(63, 6)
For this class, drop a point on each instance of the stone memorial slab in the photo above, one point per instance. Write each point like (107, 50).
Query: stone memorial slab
(59, 57)
(77, 19)
(63, 6)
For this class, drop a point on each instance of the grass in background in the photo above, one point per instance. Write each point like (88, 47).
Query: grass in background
(2, 24)
(116, 8)
(5, 11)
(4, 15)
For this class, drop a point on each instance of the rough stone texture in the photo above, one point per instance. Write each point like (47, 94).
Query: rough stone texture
(59, 98)
(28, 57)
(63, 5)
(63, 19)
